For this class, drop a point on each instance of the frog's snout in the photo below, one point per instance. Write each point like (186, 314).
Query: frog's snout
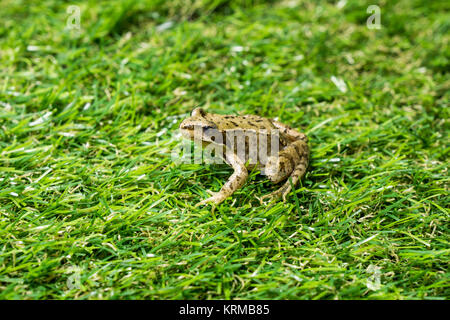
(187, 129)
(184, 125)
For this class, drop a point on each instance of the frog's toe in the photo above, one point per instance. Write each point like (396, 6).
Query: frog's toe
(261, 199)
(285, 193)
(214, 200)
(212, 193)
(280, 193)
(203, 202)
(272, 197)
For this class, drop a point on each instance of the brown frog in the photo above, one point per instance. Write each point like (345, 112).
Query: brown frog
(240, 139)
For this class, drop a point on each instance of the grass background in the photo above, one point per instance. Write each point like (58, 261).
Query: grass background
(89, 192)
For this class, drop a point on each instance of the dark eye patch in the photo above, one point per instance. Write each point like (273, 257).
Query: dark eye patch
(188, 127)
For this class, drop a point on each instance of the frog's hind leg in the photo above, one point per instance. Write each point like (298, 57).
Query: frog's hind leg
(298, 172)
(291, 163)
(236, 181)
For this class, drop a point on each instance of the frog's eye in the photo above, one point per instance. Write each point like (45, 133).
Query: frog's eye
(198, 112)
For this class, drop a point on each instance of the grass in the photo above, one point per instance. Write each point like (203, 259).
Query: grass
(90, 195)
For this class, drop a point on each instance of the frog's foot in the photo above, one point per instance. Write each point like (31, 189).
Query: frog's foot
(215, 199)
(282, 192)
(236, 181)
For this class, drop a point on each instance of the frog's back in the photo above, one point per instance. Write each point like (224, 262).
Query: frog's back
(247, 122)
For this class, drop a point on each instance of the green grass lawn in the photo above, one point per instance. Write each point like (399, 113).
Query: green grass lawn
(92, 205)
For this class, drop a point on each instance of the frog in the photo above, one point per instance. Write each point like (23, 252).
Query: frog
(288, 147)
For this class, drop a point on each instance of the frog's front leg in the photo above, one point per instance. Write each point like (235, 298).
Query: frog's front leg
(236, 180)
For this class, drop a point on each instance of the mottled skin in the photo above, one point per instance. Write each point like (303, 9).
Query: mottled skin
(291, 161)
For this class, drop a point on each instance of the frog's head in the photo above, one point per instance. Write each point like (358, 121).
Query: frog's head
(199, 127)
